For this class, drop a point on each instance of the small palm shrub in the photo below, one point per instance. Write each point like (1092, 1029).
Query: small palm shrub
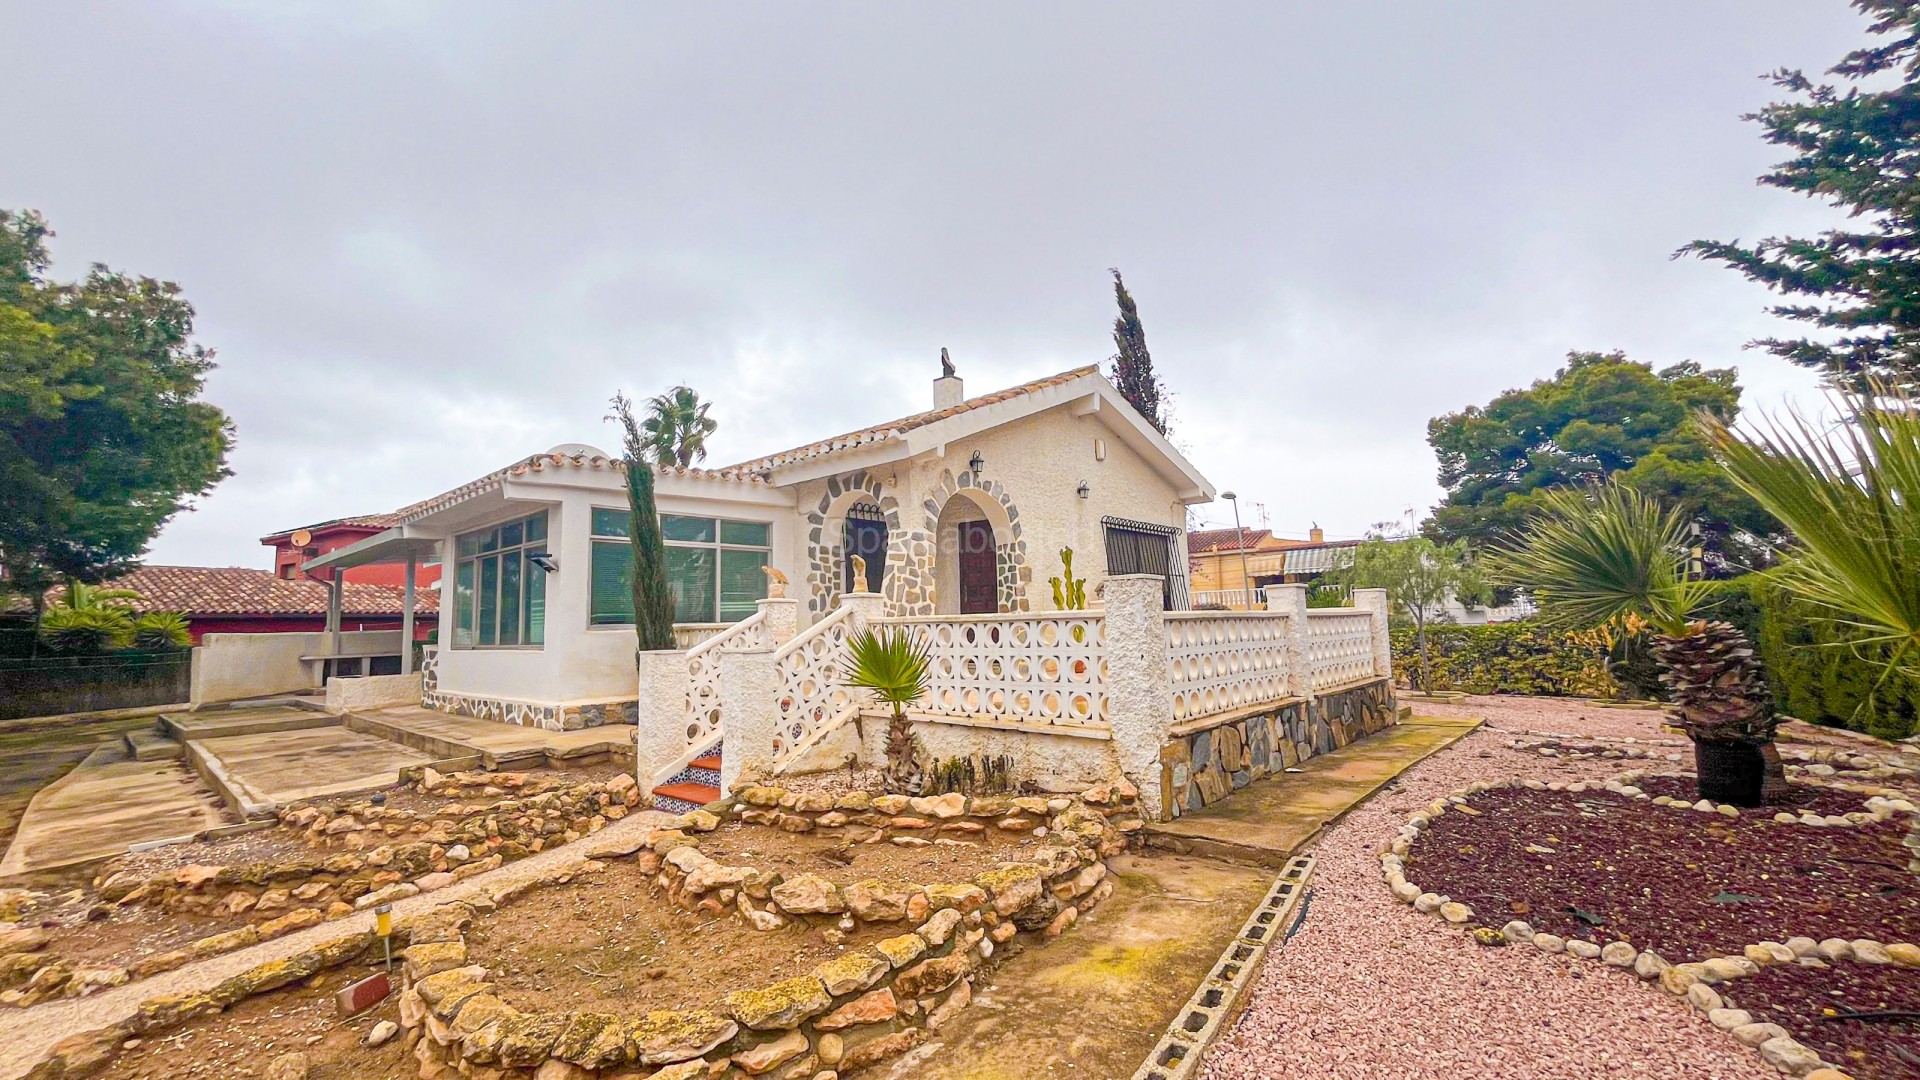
(161, 630)
(894, 666)
(86, 630)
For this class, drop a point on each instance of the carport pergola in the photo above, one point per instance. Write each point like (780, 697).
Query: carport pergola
(396, 545)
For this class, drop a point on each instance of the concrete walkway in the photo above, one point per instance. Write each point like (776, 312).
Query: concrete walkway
(498, 745)
(29, 1034)
(104, 804)
(1268, 821)
(273, 768)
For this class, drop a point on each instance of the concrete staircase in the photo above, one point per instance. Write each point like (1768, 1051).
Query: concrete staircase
(692, 787)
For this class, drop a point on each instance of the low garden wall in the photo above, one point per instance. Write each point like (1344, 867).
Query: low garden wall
(1209, 761)
(124, 679)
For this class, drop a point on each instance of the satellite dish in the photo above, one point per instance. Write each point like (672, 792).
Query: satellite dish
(301, 538)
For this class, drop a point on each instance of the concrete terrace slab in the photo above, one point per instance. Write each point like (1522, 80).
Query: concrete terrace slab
(215, 723)
(443, 735)
(259, 771)
(106, 803)
(1269, 820)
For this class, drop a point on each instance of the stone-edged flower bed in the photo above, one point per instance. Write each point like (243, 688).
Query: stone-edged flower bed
(1076, 835)
(395, 853)
(1582, 749)
(1499, 856)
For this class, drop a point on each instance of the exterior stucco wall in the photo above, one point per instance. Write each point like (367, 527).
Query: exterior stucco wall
(1027, 485)
(230, 667)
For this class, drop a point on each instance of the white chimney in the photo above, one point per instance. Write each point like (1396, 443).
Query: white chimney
(948, 389)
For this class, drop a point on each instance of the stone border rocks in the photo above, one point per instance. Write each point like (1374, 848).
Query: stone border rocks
(1693, 980)
(1177, 1055)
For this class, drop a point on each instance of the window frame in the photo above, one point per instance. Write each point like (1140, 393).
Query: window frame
(468, 575)
(719, 545)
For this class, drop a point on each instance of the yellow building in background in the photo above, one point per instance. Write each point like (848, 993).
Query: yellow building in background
(1229, 566)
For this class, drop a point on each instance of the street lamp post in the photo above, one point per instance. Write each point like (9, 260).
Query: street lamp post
(1240, 541)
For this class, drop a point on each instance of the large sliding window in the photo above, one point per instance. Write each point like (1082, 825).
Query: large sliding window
(499, 595)
(713, 567)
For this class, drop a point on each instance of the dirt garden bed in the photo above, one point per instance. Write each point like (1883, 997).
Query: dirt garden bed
(1812, 1002)
(847, 855)
(1598, 866)
(159, 910)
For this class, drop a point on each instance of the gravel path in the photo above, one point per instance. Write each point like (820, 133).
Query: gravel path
(1369, 989)
(27, 1035)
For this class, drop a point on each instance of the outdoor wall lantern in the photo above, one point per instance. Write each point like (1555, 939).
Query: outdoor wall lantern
(1082, 490)
(975, 462)
(543, 560)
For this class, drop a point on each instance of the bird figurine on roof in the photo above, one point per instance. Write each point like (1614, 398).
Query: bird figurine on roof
(946, 364)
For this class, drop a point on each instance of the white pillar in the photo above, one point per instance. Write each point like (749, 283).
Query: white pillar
(336, 593)
(406, 620)
(1139, 688)
(1374, 601)
(868, 608)
(1292, 599)
(781, 616)
(660, 716)
(750, 701)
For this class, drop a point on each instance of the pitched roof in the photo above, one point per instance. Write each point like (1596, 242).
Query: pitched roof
(362, 521)
(551, 461)
(238, 590)
(893, 429)
(1204, 541)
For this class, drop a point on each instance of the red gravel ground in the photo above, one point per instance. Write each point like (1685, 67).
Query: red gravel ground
(1686, 884)
(1798, 999)
(1800, 799)
(1371, 990)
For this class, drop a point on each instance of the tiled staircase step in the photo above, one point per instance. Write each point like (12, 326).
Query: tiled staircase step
(697, 794)
(711, 762)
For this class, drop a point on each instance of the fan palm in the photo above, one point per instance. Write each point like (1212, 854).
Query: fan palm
(677, 427)
(1851, 498)
(1609, 555)
(894, 666)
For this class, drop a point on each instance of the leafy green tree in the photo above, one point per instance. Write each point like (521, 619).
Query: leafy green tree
(1852, 141)
(1600, 417)
(103, 437)
(1132, 365)
(652, 594)
(1419, 575)
(677, 427)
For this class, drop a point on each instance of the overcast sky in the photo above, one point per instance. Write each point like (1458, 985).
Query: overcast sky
(427, 240)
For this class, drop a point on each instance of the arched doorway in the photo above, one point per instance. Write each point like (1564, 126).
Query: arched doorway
(967, 568)
(866, 536)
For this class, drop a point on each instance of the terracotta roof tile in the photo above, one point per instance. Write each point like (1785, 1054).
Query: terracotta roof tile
(362, 521)
(552, 462)
(237, 590)
(894, 428)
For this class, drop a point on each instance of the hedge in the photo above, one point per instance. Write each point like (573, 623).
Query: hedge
(1505, 658)
(1814, 675)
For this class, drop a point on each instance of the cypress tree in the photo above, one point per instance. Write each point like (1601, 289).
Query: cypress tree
(652, 598)
(1132, 365)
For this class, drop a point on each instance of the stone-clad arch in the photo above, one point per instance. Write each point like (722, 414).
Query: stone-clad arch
(826, 532)
(1014, 575)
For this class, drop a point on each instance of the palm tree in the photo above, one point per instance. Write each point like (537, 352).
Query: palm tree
(677, 427)
(81, 596)
(894, 666)
(1609, 555)
(1851, 498)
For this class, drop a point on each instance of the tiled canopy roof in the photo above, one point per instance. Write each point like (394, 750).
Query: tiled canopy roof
(894, 428)
(550, 462)
(237, 590)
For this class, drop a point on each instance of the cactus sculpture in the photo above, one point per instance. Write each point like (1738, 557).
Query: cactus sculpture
(1069, 592)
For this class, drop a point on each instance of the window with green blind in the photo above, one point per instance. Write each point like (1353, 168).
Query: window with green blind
(713, 567)
(499, 594)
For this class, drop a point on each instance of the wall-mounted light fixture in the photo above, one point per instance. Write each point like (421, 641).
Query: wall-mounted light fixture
(543, 560)
(976, 462)
(1083, 490)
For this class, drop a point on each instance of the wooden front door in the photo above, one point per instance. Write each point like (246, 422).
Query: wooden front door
(979, 569)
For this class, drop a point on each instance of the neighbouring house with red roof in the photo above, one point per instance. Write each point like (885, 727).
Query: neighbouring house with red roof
(960, 509)
(241, 600)
(1228, 565)
(293, 547)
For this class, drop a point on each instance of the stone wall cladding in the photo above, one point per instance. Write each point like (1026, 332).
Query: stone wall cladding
(570, 717)
(1207, 766)
(825, 550)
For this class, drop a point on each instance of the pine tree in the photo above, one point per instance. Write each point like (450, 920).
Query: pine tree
(1852, 145)
(652, 596)
(1132, 365)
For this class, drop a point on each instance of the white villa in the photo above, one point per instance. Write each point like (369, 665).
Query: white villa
(959, 514)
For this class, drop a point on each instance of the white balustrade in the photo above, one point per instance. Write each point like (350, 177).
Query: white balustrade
(1045, 669)
(1339, 646)
(1220, 661)
(703, 678)
(814, 698)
